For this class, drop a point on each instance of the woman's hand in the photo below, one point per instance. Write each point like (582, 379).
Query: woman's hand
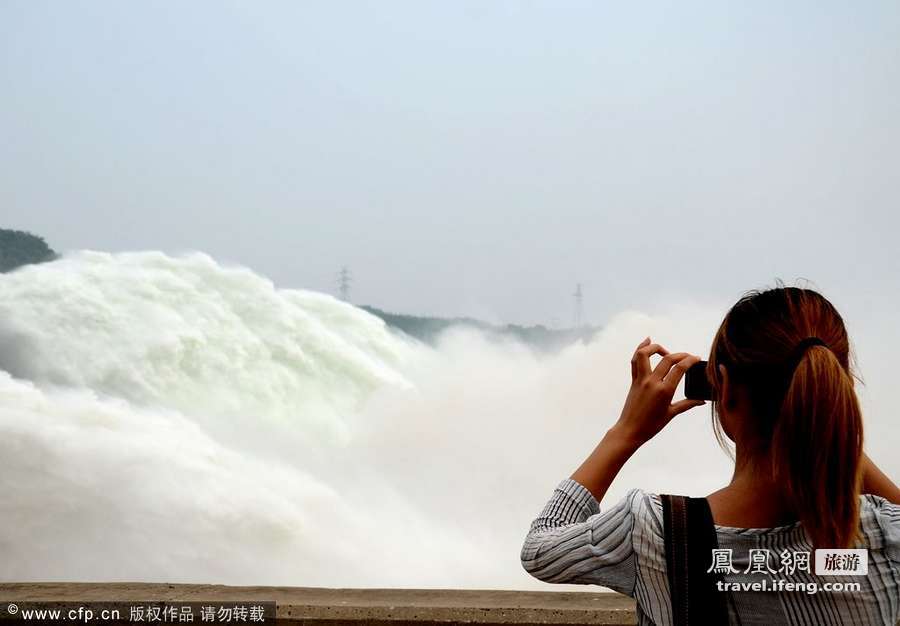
(649, 407)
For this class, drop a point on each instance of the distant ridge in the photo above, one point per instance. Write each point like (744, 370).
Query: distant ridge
(427, 329)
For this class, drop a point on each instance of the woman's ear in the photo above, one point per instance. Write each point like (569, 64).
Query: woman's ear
(726, 397)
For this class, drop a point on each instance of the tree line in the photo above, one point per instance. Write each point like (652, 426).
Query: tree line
(18, 248)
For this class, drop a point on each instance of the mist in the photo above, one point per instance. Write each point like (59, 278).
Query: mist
(176, 419)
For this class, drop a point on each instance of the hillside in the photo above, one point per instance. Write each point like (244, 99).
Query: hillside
(18, 248)
(427, 329)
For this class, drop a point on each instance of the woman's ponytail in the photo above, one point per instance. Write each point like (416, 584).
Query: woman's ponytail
(787, 349)
(817, 446)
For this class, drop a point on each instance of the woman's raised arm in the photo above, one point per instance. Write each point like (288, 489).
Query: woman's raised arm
(648, 408)
(876, 482)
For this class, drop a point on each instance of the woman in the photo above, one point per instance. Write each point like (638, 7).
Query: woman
(783, 392)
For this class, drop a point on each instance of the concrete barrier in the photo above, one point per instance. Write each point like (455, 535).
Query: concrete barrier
(322, 606)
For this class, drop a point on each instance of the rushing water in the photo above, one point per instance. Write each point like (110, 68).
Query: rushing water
(172, 419)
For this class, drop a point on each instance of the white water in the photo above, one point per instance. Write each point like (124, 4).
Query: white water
(170, 419)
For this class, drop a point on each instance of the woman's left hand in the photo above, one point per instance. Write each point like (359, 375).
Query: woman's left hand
(649, 407)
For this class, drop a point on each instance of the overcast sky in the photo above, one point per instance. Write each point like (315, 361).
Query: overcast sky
(467, 157)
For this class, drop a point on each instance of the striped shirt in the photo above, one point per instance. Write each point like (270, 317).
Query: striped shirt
(623, 548)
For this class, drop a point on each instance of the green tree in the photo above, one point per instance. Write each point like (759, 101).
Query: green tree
(18, 248)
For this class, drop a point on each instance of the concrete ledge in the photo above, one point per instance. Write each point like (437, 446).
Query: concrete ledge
(323, 606)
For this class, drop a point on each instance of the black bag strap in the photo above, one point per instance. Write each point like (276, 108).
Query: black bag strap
(690, 537)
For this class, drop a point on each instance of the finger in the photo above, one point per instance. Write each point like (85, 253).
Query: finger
(673, 377)
(642, 357)
(683, 405)
(634, 361)
(662, 368)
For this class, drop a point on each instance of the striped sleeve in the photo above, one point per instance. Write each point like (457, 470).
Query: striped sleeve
(572, 541)
(888, 516)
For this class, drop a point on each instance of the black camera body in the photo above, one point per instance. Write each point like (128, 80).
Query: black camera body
(696, 383)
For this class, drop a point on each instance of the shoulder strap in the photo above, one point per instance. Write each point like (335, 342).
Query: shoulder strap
(690, 537)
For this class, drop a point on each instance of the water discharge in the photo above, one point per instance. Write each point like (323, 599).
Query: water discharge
(172, 419)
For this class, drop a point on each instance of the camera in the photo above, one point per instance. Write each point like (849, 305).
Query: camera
(696, 383)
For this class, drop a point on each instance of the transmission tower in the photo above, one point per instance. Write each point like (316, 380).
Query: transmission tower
(343, 281)
(579, 307)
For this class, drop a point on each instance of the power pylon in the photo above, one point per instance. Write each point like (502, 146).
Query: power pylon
(343, 281)
(579, 307)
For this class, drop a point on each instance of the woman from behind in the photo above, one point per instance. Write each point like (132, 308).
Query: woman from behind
(783, 392)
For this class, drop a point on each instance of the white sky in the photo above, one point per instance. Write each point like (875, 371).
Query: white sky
(467, 157)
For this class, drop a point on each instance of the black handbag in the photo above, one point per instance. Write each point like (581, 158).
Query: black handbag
(690, 537)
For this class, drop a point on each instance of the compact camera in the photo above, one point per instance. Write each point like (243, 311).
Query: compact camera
(696, 384)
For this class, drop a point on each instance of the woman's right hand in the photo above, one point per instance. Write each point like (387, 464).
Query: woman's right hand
(648, 406)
